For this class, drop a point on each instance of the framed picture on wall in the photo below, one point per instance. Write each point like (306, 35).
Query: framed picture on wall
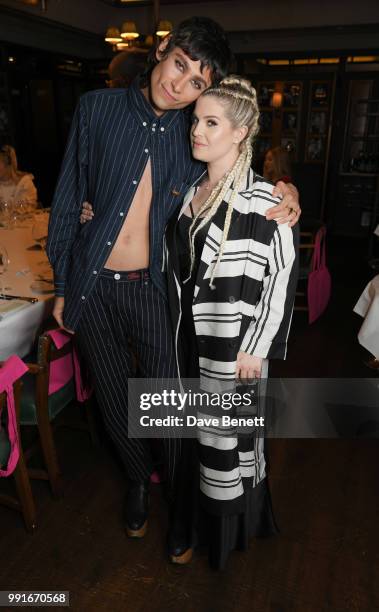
(318, 122)
(265, 93)
(290, 122)
(289, 144)
(291, 116)
(266, 122)
(315, 149)
(320, 99)
(320, 94)
(291, 95)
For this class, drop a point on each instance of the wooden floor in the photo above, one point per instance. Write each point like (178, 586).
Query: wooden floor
(325, 497)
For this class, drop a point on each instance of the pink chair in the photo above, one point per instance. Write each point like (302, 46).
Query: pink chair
(53, 383)
(12, 460)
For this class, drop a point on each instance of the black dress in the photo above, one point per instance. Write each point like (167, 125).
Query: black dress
(221, 533)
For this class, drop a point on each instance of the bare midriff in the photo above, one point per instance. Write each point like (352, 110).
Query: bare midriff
(131, 249)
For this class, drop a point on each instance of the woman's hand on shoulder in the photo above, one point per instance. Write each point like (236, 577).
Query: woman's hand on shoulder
(87, 213)
(248, 366)
(288, 210)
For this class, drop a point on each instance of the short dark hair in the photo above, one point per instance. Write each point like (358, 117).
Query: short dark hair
(201, 39)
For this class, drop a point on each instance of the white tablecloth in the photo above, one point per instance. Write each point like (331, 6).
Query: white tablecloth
(368, 307)
(18, 330)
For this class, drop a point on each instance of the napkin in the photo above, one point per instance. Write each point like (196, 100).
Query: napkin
(8, 307)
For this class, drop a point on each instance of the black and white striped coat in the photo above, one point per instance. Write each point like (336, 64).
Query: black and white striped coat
(250, 307)
(249, 310)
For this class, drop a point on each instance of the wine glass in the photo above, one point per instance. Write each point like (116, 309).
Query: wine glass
(4, 262)
(21, 210)
(6, 209)
(14, 216)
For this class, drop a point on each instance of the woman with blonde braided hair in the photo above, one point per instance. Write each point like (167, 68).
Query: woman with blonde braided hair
(242, 105)
(231, 278)
(15, 185)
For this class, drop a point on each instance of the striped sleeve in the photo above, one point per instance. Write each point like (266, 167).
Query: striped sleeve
(70, 192)
(268, 331)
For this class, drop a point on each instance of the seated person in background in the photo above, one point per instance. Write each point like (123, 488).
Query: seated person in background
(14, 184)
(277, 165)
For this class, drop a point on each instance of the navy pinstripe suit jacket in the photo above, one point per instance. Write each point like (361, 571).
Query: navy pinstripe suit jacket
(113, 134)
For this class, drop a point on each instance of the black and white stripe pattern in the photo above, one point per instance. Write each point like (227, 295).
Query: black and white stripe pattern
(229, 462)
(251, 306)
(249, 310)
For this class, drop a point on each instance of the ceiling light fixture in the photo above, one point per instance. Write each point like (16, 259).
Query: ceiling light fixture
(164, 28)
(122, 46)
(113, 36)
(129, 30)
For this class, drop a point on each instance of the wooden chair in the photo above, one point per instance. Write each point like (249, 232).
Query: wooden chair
(306, 250)
(41, 409)
(24, 501)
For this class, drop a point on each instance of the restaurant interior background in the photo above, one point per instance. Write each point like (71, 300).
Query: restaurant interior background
(316, 68)
(320, 59)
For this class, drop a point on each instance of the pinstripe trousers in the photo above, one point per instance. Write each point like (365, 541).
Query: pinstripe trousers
(120, 311)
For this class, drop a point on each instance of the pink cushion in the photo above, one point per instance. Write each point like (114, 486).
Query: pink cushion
(11, 371)
(63, 369)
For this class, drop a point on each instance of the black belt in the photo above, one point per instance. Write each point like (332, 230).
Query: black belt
(123, 275)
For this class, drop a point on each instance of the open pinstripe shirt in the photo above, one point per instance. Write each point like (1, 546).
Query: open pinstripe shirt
(113, 134)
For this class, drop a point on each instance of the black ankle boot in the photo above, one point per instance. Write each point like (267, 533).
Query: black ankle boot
(178, 543)
(137, 508)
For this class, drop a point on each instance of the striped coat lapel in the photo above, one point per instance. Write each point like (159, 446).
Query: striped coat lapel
(214, 236)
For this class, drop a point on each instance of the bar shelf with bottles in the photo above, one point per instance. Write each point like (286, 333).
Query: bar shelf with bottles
(359, 171)
(364, 145)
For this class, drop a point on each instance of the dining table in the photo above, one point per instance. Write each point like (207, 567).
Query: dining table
(28, 278)
(368, 308)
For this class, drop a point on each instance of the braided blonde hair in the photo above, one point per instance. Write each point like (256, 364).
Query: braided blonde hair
(239, 99)
(8, 156)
